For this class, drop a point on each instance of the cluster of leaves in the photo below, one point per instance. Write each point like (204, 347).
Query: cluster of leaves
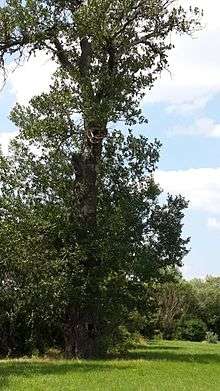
(186, 310)
(211, 337)
(191, 330)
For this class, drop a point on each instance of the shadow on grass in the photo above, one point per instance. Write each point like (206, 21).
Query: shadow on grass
(157, 347)
(27, 369)
(155, 353)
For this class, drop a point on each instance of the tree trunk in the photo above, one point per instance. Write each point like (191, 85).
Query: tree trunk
(80, 334)
(85, 167)
(80, 329)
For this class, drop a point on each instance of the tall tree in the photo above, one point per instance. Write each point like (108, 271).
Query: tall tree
(45, 268)
(108, 53)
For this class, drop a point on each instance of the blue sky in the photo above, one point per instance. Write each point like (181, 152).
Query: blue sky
(183, 112)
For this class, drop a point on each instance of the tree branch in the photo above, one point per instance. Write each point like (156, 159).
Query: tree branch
(85, 58)
(61, 54)
(128, 21)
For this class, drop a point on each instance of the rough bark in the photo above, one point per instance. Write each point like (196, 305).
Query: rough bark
(85, 166)
(81, 324)
(80, 333)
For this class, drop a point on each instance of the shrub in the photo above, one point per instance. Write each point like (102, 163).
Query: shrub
(158, 336)
(211, 337)
(192, 330)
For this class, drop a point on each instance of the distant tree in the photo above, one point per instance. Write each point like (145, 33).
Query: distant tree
(175, 300)
(208, 296)
(193, 329)
(108, 53)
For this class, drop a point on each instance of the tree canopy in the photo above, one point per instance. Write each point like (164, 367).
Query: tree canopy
(84, 210)
(44, 266)
(110, 51)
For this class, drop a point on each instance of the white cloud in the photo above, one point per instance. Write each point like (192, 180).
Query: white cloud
(32, 78)
(202, 126)
(5, 138)
(194, 66)
(213, 223)
(189, 106)
(200, 186)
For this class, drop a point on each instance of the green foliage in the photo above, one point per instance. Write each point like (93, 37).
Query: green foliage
(137, 237)
(173, 300)
(211, 337)
(108, 51)
(174, 303)
(208, 296)
(118, 342)
(83, 232)
(191, 330)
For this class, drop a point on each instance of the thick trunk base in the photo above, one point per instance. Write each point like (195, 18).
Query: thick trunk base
(80, 335)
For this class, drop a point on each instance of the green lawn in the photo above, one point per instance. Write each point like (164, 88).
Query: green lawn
(165, 366)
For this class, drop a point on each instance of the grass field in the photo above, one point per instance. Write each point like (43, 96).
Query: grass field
(165, 366)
